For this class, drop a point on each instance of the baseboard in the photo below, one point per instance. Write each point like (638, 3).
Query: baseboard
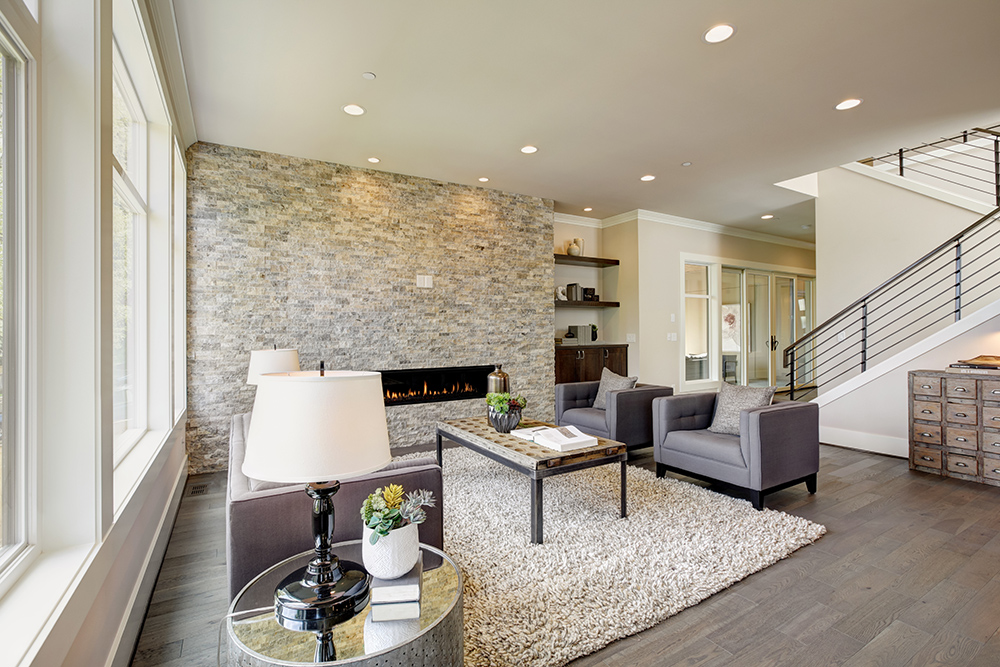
(865, 442)
(128, 635)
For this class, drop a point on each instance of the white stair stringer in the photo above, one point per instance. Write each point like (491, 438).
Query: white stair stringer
(870, 411)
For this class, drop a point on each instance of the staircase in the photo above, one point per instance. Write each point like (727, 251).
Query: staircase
(953, 280)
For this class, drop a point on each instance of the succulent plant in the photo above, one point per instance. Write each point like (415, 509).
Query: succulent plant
(387, 509)
(503, 403)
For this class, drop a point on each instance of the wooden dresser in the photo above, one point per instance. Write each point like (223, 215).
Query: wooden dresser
(955, 425)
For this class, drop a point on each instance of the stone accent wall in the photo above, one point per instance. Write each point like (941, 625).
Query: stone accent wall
(324, 257)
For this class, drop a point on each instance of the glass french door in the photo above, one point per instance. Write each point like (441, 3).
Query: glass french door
(758, 361)
(793, 318)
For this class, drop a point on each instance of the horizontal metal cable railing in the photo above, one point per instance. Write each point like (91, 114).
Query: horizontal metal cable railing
(968, 163)
(924, 297)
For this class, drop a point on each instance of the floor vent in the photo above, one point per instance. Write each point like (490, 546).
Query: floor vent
(198, 490)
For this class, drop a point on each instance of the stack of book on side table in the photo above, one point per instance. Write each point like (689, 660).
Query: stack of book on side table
(398, 599)
(984, 363)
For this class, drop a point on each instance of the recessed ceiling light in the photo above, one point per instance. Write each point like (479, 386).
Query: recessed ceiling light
(529, 149)
(484, 180)
(374, 160)
(848, 104)
(648, 177)
(353, 109)
(719, 33)
(766, 216)
(589, 208)
(685, 164)
(369, 76)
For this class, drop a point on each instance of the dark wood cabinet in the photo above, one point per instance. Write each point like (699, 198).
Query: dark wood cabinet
(582, 363)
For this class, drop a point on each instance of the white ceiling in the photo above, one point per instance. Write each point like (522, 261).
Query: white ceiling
(607, 91)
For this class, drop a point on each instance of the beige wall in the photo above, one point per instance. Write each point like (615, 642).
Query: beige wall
(621, 242)
(563, 234)
(868, 229)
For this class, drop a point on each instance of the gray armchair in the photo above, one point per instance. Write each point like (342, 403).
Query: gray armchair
(628, 417)
(778, 445)
(267, 523)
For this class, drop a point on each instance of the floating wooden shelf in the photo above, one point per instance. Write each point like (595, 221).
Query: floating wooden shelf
(587, 304)
(574, 260)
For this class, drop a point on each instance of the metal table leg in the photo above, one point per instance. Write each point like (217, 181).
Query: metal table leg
(536, 511)
(439, 447)
(624, 510)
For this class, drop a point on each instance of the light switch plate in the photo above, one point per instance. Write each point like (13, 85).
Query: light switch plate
(629, 338)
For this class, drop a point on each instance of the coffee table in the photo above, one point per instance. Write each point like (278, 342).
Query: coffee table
(433, 640)
(526, 457)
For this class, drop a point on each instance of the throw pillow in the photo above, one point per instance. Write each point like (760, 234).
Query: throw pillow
(611, 381)
(732, 400)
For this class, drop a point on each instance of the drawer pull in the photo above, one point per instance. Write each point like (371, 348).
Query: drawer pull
(995, 444)
(925, 386)
(926, 435)
(962, 389)
(995, 391)
(996, 419)
(961, 439)
(959, 464)
(997, 470)
(925, 412)
(961, 414)
(926, 458)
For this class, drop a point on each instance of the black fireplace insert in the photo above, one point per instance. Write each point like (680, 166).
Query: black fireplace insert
(430, 385)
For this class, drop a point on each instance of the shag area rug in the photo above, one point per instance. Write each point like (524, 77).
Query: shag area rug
(597, 577)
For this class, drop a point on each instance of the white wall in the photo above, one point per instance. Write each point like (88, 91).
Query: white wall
(565, 229)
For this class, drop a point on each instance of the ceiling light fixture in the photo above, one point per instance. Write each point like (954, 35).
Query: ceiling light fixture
(685, 164)
(484, 180)
(353, 109)
(529, 150)
(589, 209)
(374, 160)
(766, 216)
(719, 33)
(368, 76)
(848, 104)
(648, 177)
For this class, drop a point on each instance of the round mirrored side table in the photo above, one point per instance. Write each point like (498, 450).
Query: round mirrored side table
(433, 640)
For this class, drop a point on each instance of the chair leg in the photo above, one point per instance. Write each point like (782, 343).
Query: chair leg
(757, 500)
(661, 469)
(811, 483)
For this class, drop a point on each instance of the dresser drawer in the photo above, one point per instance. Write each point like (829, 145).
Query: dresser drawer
(963, 413)
(962, 438)
(927, 410)
(926, 386)
(927, 433)
(965, 465)
(960, 387)
(990, 442)
(991, 390)
(991, 468)
(991, 416)
(928, 458)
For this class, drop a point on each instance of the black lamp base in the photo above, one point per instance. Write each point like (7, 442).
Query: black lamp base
(327, 591)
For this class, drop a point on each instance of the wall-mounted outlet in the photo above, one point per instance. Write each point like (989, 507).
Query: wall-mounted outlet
(425, 281)
(629, 338)
(672, 337)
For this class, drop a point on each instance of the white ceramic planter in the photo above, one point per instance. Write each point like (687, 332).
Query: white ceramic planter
(380, 635)
(393, 555)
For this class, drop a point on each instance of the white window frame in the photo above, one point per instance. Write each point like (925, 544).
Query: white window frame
(134, 193)
(178, 285)
(714, 335)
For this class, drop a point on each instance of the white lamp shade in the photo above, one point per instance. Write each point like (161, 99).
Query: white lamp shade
(311, 428)
(271, 361)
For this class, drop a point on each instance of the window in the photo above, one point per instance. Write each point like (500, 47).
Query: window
(129, 218)
(13, 228)
(179, 283)
(697, 334)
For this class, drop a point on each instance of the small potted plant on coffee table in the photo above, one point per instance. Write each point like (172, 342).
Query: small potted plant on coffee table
(504, 410)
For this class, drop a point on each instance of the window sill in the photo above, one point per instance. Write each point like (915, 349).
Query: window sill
(132, 468)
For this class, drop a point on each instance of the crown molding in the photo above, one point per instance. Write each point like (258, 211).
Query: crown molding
(676, 221)
(578, 220)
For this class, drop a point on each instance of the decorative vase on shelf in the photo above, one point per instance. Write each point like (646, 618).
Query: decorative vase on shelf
(394, 554)
(573, 249)
(579, 244)
(504, 422)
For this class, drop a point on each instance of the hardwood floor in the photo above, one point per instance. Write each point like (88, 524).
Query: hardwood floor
(908, 574)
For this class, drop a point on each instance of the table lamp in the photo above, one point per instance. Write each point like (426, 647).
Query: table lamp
(271, 361)
(313, 427)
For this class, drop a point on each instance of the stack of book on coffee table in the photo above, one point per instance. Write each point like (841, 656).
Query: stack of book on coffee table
(398, 599)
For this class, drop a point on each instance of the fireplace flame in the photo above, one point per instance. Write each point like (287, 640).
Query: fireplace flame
(426, 392)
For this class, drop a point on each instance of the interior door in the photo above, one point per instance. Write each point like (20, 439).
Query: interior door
(784, 326)
(757, 359)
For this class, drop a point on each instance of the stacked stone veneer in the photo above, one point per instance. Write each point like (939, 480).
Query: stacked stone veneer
(324, 258)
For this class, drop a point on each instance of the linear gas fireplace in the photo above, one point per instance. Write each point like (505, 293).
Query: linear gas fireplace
(429, 385)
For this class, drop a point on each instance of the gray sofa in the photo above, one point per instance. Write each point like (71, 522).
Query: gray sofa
(266, 522)
(628, 417)
(778, 445)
